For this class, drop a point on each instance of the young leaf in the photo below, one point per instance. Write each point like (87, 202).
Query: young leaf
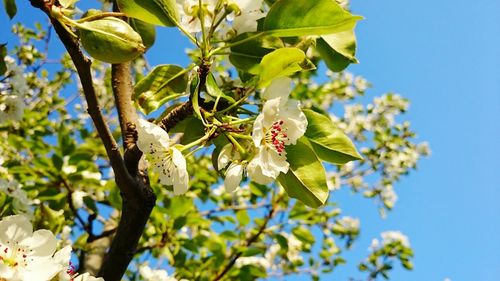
(279, 63)
(338, 50)
(247, 56)
(328, 141)
(164, 83)
(214, 91)
(146, 30)
(157, 12)
(306, 178)
(10, 7)
(289, 18)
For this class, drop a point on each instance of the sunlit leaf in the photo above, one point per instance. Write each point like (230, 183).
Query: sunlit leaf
(328, 141)
(306, 179)
(289, 18)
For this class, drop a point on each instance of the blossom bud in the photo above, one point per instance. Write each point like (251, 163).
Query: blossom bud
(110, 40)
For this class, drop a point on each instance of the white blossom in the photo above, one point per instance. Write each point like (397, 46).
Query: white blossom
(26, 255)
(390, 237)
(189, 11)
(77, 198)
(256, 261)
(349, 224)
(13, 189)
(250, 12)
(388, 196)
(165, 159)
(281, 123)
(149, 274)
(234, 173)
(11, 108)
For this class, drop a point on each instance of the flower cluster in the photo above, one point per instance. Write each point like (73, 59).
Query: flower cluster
(149, 274)
(12, 93)
(31, 256)
(281, 123)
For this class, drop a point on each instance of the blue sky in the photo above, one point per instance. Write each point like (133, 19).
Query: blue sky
(445, 57)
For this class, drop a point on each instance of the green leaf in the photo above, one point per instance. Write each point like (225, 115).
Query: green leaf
(214, 91)
(3, 53)
(146, 30)
(306, 178)
(247, 56)
(328, 141)
(243, 217)
(303, 234)
(338, 50)
(10, 7)
(289, 18)
(157, 12)
(279, 63)
(164, 83)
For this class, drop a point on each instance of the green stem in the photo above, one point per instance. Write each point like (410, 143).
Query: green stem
(242, 151)
(217, 50)
(241, 136)
(243, 121)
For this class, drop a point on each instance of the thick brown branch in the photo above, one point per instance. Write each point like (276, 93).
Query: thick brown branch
(138, 198)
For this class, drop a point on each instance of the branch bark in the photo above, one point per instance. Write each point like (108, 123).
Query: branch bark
(138, 197)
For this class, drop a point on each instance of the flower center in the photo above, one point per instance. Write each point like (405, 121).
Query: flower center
(13, 256)
(276, 136)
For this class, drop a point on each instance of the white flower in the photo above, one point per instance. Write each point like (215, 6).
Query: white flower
(149, 274)
(234, 173)
(166, 160)
(26, 255)
(11, 108)
(349, 224)
(13, 189)
(390, 237)
(87, 277)
(77, 198)
(388, 196)
(189, 11)
(256, 261)
(281, 123)
(250, 12)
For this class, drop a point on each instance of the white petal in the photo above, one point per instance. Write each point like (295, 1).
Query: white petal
(270, 110)
(295, 121)
(279, 88)
(224, 156)
(151, 138)
(267, 165)
(248, 5)
(15, 229)
(258, 130)
(7, 272)
(41, 269)
(247, 22)
(181, 177)
(42, 244)
(63, 256)
(234, 174)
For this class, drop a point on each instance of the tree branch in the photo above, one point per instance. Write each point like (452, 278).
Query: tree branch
(138, 198)
(250, 240)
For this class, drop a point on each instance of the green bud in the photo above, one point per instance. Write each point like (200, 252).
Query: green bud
(110, 40)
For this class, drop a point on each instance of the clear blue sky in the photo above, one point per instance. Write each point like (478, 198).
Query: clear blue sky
(445, 57)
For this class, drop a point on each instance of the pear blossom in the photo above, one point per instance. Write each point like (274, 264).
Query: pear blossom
(165, 159)
(11, 108)
(13, 189)
(189, 11)
(87, 277)
(26, 255)
(250, 12)
(149, 274)
(234, 173)
(280, 124)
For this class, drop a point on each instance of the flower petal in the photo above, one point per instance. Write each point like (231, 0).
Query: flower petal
(295, 121)
(224, 156)
(180, 175)
(15, 229)
(151, 138)
(279, 88)
(234, 174)
(267, 165)
(42, 244)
